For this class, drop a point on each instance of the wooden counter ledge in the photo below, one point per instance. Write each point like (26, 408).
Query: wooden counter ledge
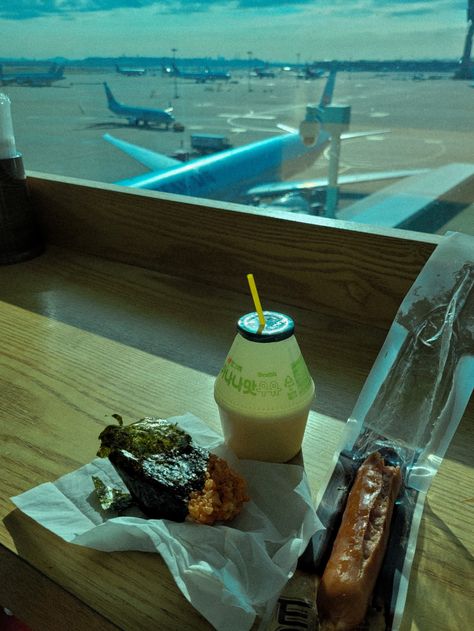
(131, 310)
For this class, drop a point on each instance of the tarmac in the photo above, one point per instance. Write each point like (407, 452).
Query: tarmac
(427, 123)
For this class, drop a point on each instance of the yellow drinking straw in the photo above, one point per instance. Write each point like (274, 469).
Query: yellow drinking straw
(256, 300)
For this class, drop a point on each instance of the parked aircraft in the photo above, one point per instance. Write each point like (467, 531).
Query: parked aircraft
(199, 76)
(37, 79)
(230, 175)
(310, 72)
(136, 115)
(264, 73)
(129, 71)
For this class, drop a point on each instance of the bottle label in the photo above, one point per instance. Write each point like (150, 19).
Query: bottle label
(301, 375)
(278, 383)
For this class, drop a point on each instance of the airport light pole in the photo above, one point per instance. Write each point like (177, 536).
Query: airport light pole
(465, 70)
(336, 120)
(250, 53)
(175, 76)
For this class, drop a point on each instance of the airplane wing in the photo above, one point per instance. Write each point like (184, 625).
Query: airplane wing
(274, 189)
(152, 160)
(287, 128)
(363, 134)
(346, 136)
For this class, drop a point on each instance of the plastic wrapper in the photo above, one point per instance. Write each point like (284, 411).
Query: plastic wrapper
(408, 410)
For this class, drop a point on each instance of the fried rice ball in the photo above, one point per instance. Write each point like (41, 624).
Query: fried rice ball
(222, 497)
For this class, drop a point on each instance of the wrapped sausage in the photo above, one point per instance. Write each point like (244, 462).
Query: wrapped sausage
(356, 558)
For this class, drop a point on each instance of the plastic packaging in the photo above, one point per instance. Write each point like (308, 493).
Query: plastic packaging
(409, 409)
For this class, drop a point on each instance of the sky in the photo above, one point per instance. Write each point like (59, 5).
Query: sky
(285, 30)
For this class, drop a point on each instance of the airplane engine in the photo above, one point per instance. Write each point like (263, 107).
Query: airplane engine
(296, 203)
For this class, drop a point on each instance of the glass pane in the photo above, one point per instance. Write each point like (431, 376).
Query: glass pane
(214, 99)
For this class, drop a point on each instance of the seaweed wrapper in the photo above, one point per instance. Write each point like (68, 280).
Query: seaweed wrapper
(231, 573)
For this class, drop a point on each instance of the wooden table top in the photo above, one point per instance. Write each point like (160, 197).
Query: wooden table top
(82, 338)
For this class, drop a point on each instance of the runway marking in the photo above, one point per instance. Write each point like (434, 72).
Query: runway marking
(266, 115)
(416, 152)
(262, 117)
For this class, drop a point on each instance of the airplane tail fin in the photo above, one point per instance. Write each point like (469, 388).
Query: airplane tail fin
(110, 97)
(56, 70)
(326, 96)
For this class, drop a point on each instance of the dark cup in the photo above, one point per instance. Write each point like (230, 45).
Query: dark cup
(20, 234)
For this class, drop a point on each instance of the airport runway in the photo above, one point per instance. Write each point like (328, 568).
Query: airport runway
(59, 129)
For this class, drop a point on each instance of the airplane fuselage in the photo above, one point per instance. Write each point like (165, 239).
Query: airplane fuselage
(131, 72)
(36, 80)
(229, 174)
(138, 115)
(198, 77)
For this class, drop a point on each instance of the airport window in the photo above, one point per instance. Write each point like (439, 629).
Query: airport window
(360, 111)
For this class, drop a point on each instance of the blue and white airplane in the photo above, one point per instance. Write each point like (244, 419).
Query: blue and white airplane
(231, 175)
(136, 115)
(199, 76)
(35, 79)
(264, 73)
(228, 175)
(130, 71)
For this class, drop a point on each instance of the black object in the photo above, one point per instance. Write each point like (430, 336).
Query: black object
(330, 510)
(278, 326)
(160, 484)
(158, 464)
(20, 234)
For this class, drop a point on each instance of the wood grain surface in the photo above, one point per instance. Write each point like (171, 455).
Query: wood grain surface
(84, 336)
(305, 261)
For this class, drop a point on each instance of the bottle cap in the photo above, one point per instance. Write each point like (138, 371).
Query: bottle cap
(278, 326)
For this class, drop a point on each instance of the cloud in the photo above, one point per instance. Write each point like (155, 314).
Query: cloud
(29, 9)
(271, 4)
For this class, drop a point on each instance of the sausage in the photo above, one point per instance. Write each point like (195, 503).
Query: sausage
(350, 574)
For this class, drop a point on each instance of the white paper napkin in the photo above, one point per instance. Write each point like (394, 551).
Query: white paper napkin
(229, 572)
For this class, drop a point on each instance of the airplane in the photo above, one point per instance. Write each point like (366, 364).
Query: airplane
(232, 174)
(130, 72)
(264, 73)
(420, 200)
(310, 72)
(216, 75)
(199, 76)
(137, 115)
(36, 79)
